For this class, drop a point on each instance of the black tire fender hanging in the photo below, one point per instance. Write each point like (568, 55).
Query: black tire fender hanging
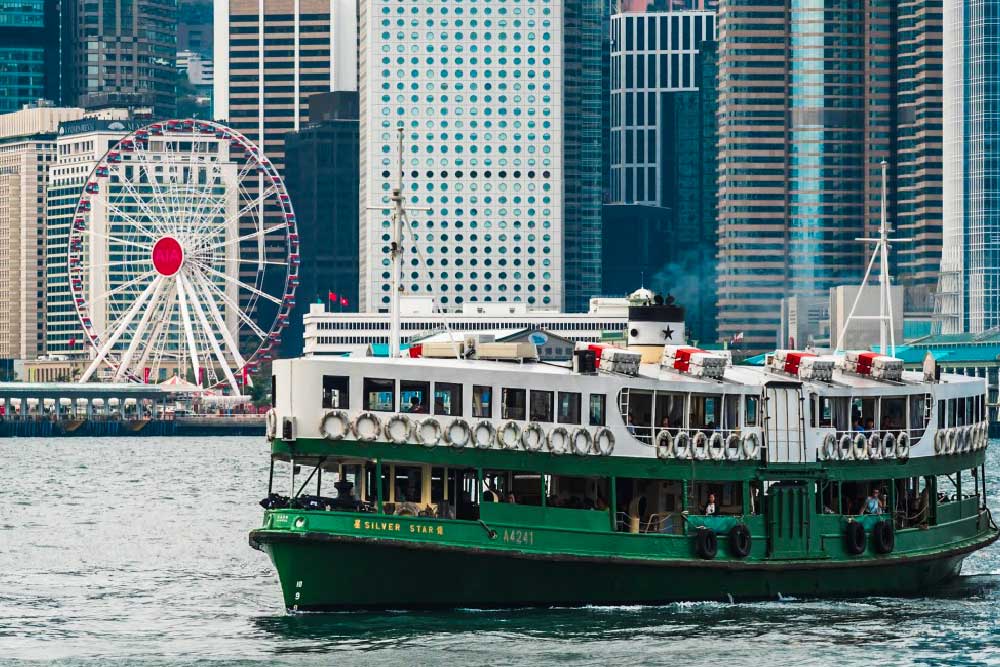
(854, 538)
(706, 544)
(884, 537)
(739, 541)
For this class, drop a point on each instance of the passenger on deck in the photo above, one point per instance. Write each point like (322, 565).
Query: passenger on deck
(873, 503)
(710, 507)
(857, 425)
(510, 499)
(869, 425)
(415, 405)
(630, 425)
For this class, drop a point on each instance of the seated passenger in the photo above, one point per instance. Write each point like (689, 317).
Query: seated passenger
(710, 507)
(869, 425)
(873, 503)
(415, 405)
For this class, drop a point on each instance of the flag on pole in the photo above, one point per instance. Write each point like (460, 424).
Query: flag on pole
(72, 342)
(343, 301)
(332, 296)
(145, 376)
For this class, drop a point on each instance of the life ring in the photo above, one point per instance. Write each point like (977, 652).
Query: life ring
(533, 438)
(751, 446)
(429, 439)
(706, 544)
(366, 426)
(271, 424)
(854, 538)
(940, 442)
(394, 434)
(889, 446)
(828, 450)
(484, 434)
(874, 447)
(664, 445)
(740, 541)
(966, 438)
(462, 430)
(716, 447)
(557, 441)
(952, 441)
(846, 447)
(699, 446)
(979, 436)
(903, 446)
(604, 442)
(335, 425)
(883, 537)
(682, 445)
(581, 442)
(513, 429)
(733, 446)
(860, 447)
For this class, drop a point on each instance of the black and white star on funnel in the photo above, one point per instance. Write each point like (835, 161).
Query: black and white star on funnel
(668, 333)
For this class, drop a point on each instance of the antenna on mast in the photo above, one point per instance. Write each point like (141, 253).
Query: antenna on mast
(881, 251)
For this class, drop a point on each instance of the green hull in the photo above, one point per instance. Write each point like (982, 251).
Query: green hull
(323, 572)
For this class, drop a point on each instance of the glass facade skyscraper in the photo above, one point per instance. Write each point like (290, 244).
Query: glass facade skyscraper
(31, 64)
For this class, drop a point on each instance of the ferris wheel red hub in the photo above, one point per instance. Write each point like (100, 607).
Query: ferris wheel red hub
(168, 256)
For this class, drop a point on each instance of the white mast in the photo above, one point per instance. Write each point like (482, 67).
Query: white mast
(881, 251)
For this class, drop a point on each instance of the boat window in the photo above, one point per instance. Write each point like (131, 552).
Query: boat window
(750, 416)
(448, 399)
(414, 396)
(274, 391)
(438, 485)
(863, 414)
(597, 402)
(669, 411)
(336, 389)
(514, 403)
(541, 406)
(482, 401)
(893, 415)
(952, 412)
(637, 411)
(941, 413)
(569, 408)
(408, 484)
(705, 411)
(732, 420)
(919, 415)
(380, 394)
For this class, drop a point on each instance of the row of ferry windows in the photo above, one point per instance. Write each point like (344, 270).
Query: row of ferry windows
(446, 399)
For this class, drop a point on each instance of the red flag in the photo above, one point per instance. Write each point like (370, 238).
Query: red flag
(333, 296)
(201, 375)
(145, 376)
(72, 342)
(343, 301)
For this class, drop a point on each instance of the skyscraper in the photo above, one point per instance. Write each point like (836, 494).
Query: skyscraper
(123, 54)
(969, 298)
(663, 157)
(271, 56)
(478, 89)
(31, 53)
(813, 97)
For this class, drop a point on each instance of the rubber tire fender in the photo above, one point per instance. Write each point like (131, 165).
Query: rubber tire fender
(854, 538)
(706, 544)
(883, 537)
(740, 541)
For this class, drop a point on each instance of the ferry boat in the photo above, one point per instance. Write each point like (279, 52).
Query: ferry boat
(470, 474)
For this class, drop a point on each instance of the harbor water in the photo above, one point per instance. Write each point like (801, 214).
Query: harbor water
(124, 551)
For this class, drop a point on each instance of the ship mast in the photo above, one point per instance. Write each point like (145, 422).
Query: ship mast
(886, 331)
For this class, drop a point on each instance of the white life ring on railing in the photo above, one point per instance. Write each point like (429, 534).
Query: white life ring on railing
(335, 425)
(271, 424)
(604, 442)
(978, 444)
(717, 447)
(984, 434)
(459, 433)
(733, 446)
(889, 446)
(828, 450)
(682, 445)
(581, 442)
(511, 429)
(860, 448)
(484, 434)
(874, 447)
(394, 434)
(533, 437)
(751, 446)
(903, 446)
(699, 446)
(366, 427)
(429, 439)
(941, 442)
(664, 445)
(557, 441)
(845, 447)
(952, 441)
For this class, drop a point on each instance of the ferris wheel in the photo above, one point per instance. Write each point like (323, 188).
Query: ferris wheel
(183, 256)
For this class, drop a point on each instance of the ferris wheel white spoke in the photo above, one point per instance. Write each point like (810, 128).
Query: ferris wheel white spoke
(139, 334)
(142, 164)
(243, 285)
(245, 237)
(124, 214)
(188, 331)
(123, 286)
(119, 329)
(240, 213)
(166, 306)
(124, 262)
(140, 199)
(116, 239)
(219, 323)
(239, 311)
(212, 341)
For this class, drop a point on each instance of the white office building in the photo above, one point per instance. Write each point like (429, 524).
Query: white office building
(477, 87)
